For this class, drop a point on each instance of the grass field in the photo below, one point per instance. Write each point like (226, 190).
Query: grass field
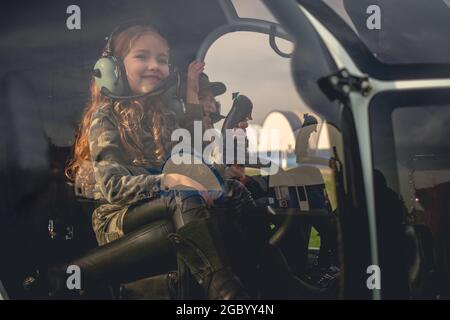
(314, 239)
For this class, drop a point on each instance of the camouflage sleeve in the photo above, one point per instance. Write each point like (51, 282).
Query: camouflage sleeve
(118, 182)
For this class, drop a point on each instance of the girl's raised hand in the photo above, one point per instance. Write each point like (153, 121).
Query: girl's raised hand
(192, 85)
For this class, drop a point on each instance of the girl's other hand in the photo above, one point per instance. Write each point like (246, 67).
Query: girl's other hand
(243, 125)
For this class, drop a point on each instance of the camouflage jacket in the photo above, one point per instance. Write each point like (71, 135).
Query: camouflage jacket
(111, 178)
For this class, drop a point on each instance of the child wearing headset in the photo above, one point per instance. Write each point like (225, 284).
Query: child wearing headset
(125, 133)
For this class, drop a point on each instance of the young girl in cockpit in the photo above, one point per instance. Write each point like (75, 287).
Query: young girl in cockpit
(123, 137)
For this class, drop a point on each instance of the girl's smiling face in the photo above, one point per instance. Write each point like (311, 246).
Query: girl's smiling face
(147, 63)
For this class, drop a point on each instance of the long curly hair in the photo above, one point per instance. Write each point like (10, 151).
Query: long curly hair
(131, 115)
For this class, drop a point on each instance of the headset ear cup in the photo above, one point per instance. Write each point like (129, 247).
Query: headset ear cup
(123, 76)
(110, 76)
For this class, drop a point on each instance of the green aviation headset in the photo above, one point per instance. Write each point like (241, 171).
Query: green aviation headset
(110, 76)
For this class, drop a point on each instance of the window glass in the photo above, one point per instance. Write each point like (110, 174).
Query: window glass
(302, 190)
(399, 32)
(412, 187)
